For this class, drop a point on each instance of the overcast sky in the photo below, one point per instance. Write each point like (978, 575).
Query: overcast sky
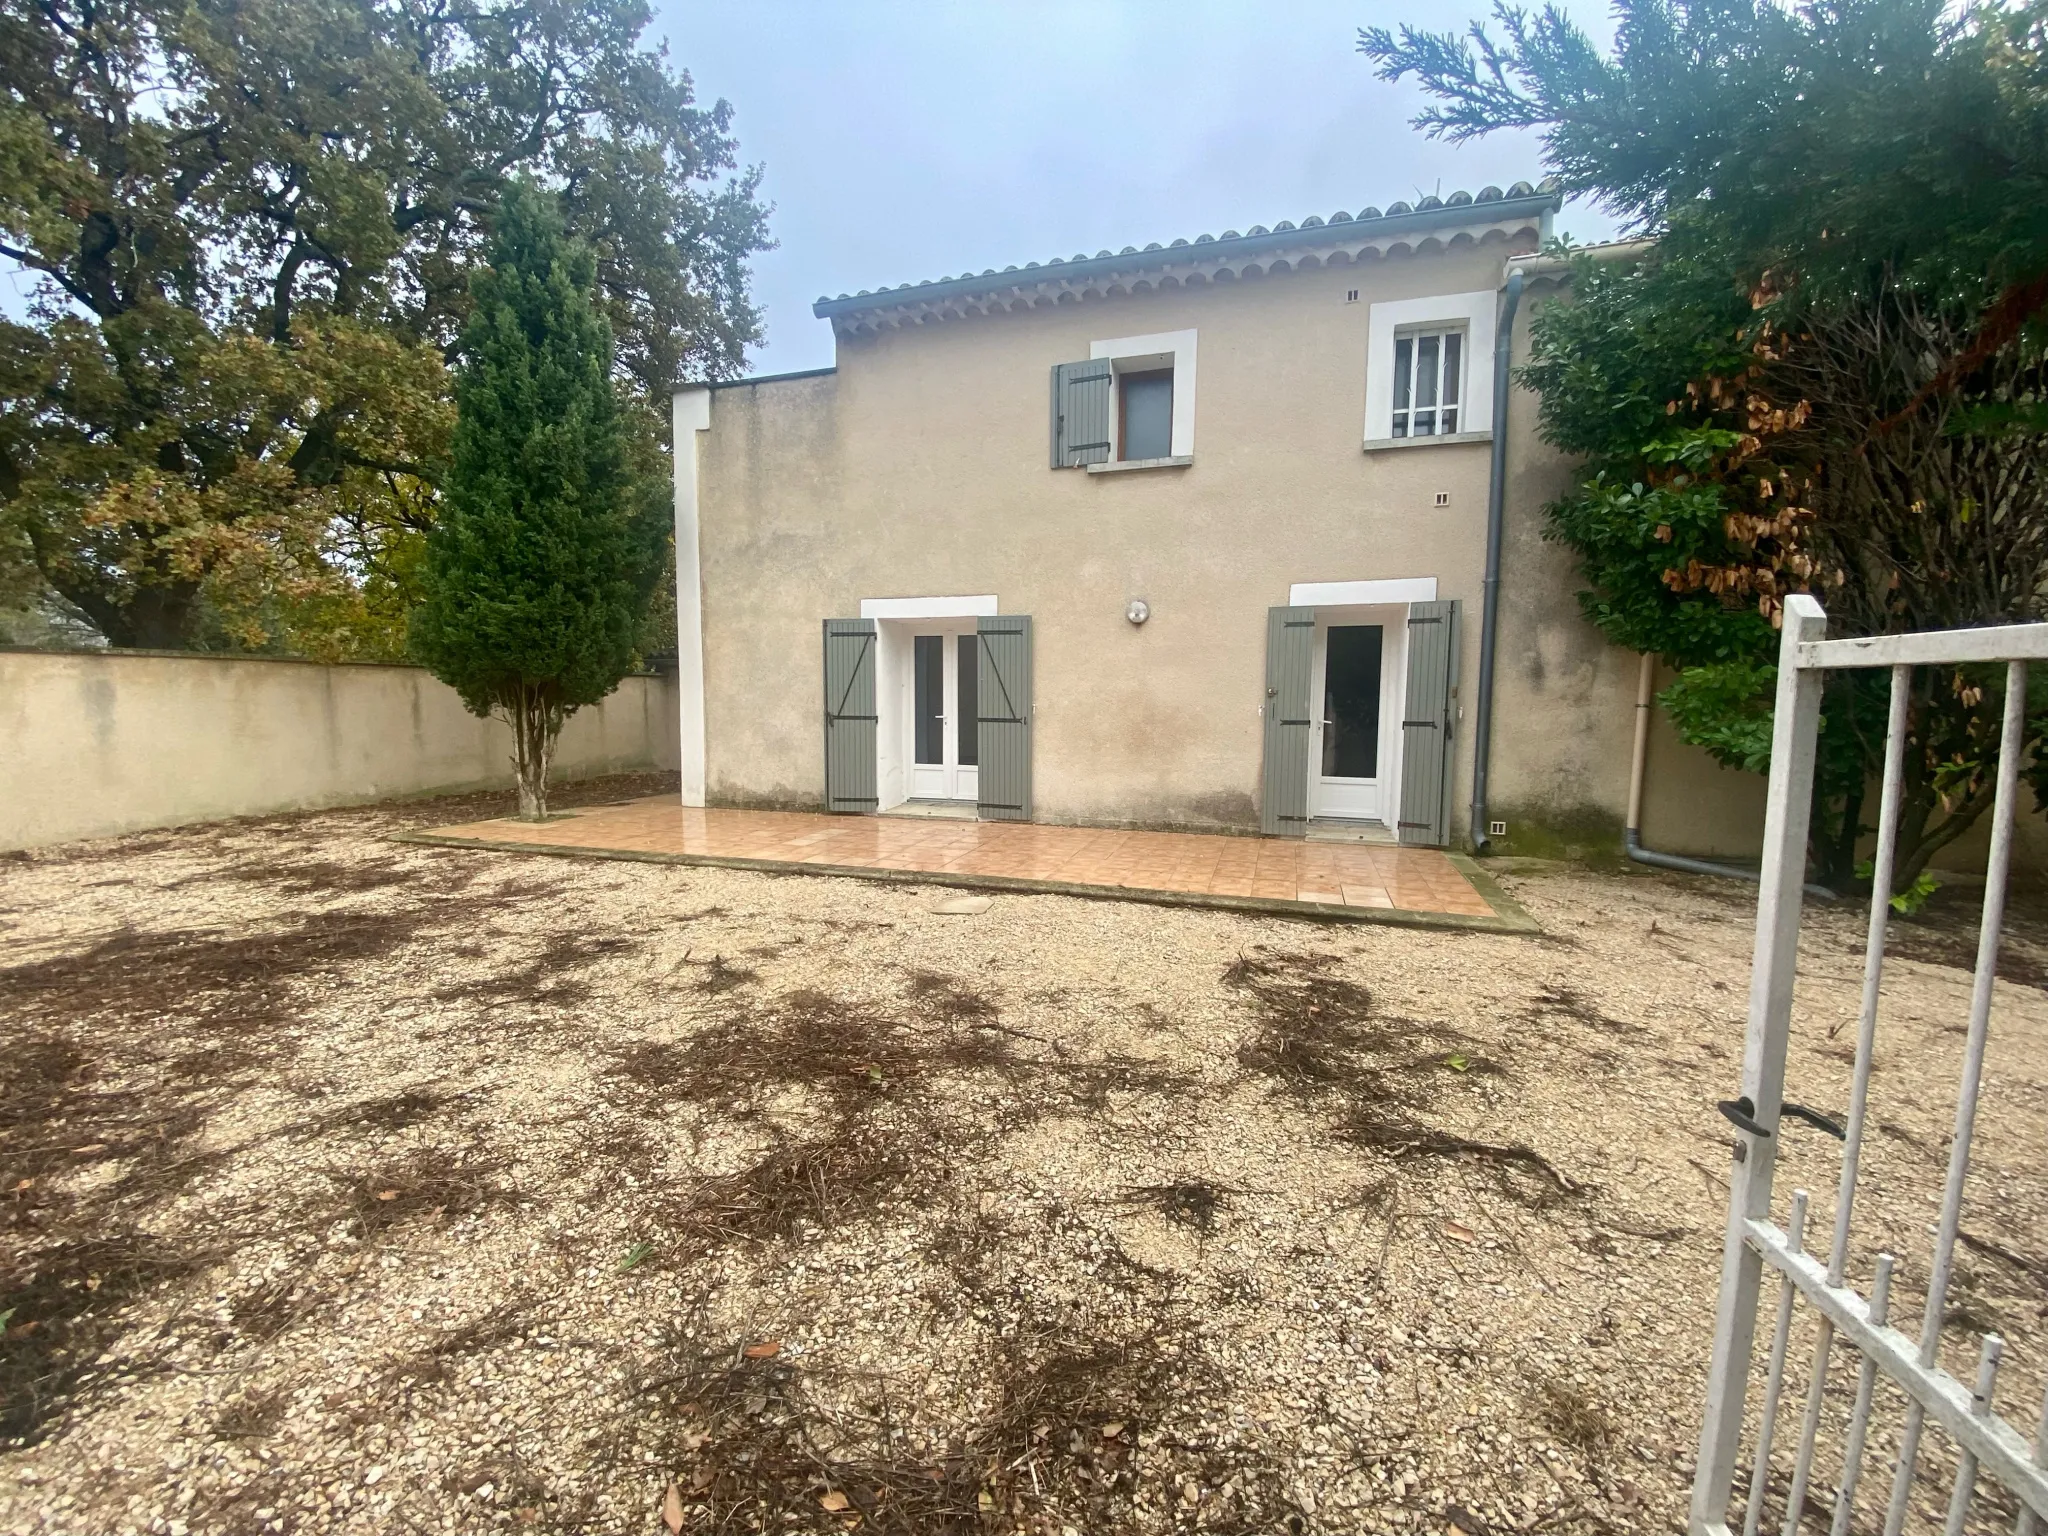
(909, 139)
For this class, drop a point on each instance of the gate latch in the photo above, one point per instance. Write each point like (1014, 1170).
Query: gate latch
(1741, 1114)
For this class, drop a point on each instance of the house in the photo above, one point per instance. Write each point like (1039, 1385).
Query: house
(1193, 536)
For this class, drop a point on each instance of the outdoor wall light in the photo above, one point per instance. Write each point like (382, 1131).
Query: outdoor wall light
(1137, 610)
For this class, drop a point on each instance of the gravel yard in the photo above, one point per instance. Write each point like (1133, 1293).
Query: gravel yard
(356, 1186)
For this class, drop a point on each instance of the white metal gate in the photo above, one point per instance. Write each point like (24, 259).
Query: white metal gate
(1986, 1445)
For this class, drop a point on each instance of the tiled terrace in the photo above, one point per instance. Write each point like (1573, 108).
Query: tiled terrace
(1417, 885)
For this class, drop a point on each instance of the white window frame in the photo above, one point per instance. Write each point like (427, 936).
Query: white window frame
(1146, 354)
(1474, 314)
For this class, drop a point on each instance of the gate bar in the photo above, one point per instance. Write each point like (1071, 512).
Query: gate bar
(1859, 1093)
(1882, 867)
(1980, 1404)
(1996, 869)
(1932, 647)
(2027, 1518)
(1809, 1429)
(1767, 1427)
(1859, 1417)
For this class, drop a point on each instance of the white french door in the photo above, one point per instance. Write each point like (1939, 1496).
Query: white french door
(1354, 712)
(943, 732)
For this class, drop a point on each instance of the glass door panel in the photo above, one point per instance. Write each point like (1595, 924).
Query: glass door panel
(1351, 702)
(928, 670)
(944, 733)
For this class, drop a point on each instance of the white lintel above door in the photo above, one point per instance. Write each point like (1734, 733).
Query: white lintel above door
(929, 607)
(1347, 594)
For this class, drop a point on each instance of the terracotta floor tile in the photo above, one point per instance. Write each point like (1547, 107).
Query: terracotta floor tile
(1367, 896)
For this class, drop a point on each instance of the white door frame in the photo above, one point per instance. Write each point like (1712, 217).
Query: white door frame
(896, 620)
(1393, 621)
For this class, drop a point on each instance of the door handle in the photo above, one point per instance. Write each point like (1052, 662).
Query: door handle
(1741, 1113)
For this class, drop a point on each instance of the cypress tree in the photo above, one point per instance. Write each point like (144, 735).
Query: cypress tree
(539, 570)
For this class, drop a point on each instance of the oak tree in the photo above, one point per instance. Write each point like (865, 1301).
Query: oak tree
(254, 224)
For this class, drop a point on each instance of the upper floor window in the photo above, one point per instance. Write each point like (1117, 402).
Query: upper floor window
(1429, 376)
(1421, 356)
(1130, 406)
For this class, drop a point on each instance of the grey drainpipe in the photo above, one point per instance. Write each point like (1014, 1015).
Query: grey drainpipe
(1632, 835)
(1489, 600)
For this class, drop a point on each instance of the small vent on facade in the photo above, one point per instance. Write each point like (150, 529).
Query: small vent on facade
(1443, 498)
(1351, 297)
(1496, 829)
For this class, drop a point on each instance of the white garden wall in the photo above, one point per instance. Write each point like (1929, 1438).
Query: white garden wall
(94, 743)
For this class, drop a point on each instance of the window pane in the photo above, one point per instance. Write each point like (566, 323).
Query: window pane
(1425, 371)
(1404, 364)
(1425, 423)
(968, 711)
(1148, 415)
(1450, 419)
(1454, 353)
(929, 678)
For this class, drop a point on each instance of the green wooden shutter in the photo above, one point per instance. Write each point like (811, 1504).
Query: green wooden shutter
(1429, 724)
(850, 715)
(1003, 718)
(1283, 802)
(1082, 394)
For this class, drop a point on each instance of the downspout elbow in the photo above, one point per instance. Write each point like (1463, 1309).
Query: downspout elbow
(1632, 834)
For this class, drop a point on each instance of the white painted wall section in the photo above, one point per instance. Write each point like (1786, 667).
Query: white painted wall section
(893, 668)
(691, 415)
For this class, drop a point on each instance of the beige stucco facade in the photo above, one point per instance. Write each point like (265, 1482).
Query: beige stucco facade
(920, 468)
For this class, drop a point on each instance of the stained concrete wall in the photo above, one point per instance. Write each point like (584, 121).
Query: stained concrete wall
(104, 742)
(1564, 716)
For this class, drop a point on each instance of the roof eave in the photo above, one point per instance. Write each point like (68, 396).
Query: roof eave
(1538, 206)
